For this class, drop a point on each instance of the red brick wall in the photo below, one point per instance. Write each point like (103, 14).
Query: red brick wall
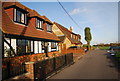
(27, 58)
(45, 26)
(33, 20)
(10, 12)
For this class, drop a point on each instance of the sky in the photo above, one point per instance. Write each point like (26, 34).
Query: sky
(101, 17)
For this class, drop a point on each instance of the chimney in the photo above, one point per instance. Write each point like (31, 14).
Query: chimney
(71, 29)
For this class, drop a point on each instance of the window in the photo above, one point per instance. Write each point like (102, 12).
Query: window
(21, 47)
(39, 46)
(28, 46)
(53, 45)
(39, 24)
(32, 46)
(20, 16)
(49, 46)
(7, 51)
(13, 44)
(49, 27)
(43, 45)
(36, 46)
(24, 46)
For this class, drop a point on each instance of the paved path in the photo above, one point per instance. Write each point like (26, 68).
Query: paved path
(94, 65)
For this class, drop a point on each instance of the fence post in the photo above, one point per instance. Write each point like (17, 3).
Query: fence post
(54, 63)
(30, 68)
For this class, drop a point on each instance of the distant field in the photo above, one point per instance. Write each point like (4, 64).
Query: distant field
(118, 54)
(104, 48)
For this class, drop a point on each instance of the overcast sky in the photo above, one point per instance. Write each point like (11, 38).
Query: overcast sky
(101, 17)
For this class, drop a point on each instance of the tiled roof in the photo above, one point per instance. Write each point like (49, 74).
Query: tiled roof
(46, 19)
(32, 13)
(9, 27)
(67, 33)
(18, 4)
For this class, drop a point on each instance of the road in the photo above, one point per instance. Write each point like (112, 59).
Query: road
(94, 65)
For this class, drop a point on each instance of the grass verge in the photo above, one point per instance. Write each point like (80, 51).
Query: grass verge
(104, 48)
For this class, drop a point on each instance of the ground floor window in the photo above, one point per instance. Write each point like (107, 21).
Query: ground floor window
(21, 47)
(54, 46)
(7, 51)
(43, 46)
(24, 46)
(16, 47)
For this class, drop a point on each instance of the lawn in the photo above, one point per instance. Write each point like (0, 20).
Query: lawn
(118, 55)
(104, 48)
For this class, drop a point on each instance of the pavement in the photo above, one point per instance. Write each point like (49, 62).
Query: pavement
(93, 65)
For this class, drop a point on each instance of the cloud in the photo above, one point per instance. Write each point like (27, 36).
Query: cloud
(77, 11)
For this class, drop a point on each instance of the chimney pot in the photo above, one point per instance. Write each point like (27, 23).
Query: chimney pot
(71, 29)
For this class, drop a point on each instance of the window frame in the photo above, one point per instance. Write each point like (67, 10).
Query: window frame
(15, 11)
(25, 49)
(53, 45)
(39, 24)
(49, 27)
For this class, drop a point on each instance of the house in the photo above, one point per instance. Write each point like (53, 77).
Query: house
(26, 32)
(67, 37)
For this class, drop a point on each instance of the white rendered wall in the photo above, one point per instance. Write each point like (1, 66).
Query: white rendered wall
(49, 47)
(13, 44)
(40, 47)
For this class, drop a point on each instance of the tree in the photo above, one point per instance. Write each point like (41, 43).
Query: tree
(88, 36)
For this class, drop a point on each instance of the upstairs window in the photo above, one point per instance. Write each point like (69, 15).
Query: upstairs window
(49, 28)
(20, 16)
(39, 24)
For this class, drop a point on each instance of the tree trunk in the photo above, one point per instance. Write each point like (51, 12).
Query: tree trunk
(88, 43)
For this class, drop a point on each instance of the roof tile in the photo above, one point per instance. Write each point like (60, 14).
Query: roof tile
(9, 27)
(68, 33)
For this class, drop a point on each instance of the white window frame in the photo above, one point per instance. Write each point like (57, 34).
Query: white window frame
(35, 46)
(39, 24)
(22, 17)
(49, 28)
(15, 14)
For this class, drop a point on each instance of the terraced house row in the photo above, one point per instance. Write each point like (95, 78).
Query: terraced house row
(29, 39)
(26, 32)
